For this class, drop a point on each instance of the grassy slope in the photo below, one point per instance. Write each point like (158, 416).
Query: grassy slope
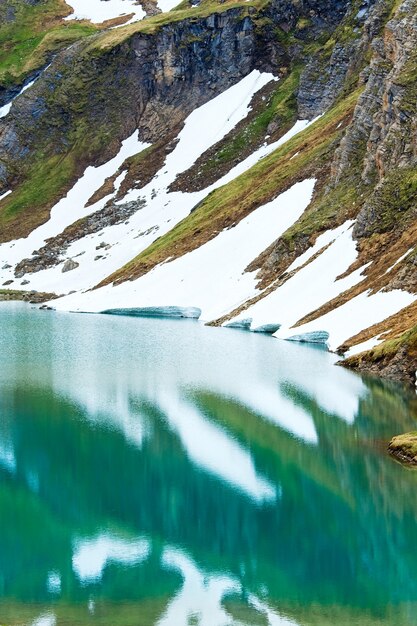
(36, 32)
(26, 44)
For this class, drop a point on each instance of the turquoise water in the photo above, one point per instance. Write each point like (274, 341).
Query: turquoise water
(162, 472)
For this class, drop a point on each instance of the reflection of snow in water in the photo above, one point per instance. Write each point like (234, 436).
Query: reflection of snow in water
(47, 619)
(92, 555)
(213, 449)
(273, 618)
(7, 457)
(53, 582)
(201, 595)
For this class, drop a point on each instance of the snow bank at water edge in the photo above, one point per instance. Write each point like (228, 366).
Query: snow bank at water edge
(211, 277)
(316, 283)
(162, 211)
(99, 11)
(156, 311)
(363, 346)
(312, 286)
(356, 315)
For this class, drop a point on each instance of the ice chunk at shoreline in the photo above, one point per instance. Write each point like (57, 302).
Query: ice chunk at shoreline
(316, 336)
(189, 312)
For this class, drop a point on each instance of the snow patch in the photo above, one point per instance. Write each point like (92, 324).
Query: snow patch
(311, 287)
(357, 314)
(321, 242)
(4, 195)
(186, 281)
(167, 5)
(163, 210)
(73, 206)
(98, 11)
(363, 346)
(399, 260)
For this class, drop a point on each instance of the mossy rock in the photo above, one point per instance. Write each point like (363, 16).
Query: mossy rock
(404, 448)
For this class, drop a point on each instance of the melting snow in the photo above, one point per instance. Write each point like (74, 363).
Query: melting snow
(399, 260)
(210, 277)
(359, 313)
(363, 346)
(312, 286)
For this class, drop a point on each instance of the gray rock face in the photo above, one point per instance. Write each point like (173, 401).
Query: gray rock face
(51, 253)
(386, 113)
(157, 311)
(70, 265)
(324, 78)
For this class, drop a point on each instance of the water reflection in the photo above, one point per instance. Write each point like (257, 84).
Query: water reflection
(156, 472)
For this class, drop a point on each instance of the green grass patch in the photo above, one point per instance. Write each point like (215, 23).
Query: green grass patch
(34, 197)
(36, 31)
(390, 348)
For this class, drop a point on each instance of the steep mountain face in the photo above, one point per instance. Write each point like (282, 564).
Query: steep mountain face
(245, 160)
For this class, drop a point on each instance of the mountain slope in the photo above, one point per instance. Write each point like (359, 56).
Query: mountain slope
(246, 160)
